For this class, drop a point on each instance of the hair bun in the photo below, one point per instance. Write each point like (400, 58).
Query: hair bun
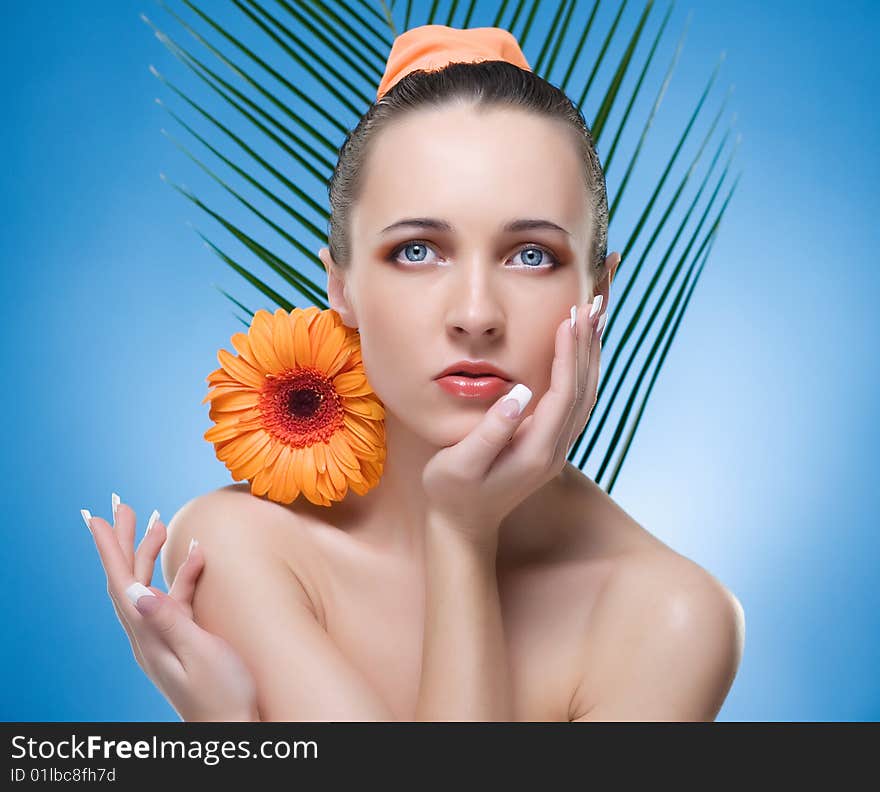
(432, 47)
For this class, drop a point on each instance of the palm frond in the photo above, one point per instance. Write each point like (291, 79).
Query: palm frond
(341, 49)
(668, 342)
(232, 299)
(200, 69)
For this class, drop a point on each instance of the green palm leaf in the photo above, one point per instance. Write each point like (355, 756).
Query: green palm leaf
(352, 39)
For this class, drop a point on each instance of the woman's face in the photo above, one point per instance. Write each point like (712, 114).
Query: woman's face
(424, 297)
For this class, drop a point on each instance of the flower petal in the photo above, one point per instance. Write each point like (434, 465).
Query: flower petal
(327, 353)
(320, 457)
(273, 453)
(234, 400)
(337, 476)
(248, 469)
(222, 431)
(219, 376)
(352, 383)
(301, 342)
(367, 431)
(219, 390)
(311, 313)
(327, 490)
(282, 339)
(367, 408)
(242, 345)
(343, 360)
(246, 448)
(319, 332)
(240, 369)
(291, 483)
(309, 474)
(262, 481)
(260, 337)
(279, 468)
(342, 451)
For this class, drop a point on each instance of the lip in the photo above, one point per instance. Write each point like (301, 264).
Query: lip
(473, 387)
(475, 367)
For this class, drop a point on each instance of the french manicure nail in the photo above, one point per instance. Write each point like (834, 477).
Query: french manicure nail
(521, 396)
(137, 590)
(600, 326)
(114, 502)
(192, 543)
(152, 521)
(597, 304)
(574, 313)
(87, 518)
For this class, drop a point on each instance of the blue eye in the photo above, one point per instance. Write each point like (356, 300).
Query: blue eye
(421, 249)
(544, 254)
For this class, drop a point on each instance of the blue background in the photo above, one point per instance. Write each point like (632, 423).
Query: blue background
(754, 458)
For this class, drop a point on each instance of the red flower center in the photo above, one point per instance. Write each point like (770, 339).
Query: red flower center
(303, 403)
(300, 407)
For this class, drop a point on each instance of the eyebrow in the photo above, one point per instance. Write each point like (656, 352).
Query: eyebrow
(523, 224)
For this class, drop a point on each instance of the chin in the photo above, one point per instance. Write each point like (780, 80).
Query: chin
(440, 427)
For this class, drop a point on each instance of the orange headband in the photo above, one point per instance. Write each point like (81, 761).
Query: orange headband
(432, 47)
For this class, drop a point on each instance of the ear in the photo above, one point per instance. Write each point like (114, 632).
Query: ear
(611, 265)
(603, 286)
(336, 289)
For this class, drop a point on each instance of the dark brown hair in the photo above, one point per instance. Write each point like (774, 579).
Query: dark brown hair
(486, 84)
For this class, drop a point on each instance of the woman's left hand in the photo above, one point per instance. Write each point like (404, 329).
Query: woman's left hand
(475, 483)
(199, 673)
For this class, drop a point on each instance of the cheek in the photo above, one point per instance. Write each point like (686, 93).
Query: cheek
(390, 348)
(534, 349)
(400, 359)
(403, 349)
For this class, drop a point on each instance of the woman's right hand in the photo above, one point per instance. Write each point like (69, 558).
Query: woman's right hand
(200, 674)
(475, 483)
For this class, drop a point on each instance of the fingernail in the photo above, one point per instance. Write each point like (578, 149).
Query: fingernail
(515, 401)
(87, 518)
(114, 502)
(600, 327)
(573, 323)
(137, 590)
(597, 304)
(192, 543)
(152, 521)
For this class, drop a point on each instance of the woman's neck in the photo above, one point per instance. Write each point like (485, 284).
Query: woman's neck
(392, 516)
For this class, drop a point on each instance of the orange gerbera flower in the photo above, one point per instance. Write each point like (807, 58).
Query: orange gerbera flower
(294, 412)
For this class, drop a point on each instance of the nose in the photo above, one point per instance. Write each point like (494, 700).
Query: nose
(474, 308)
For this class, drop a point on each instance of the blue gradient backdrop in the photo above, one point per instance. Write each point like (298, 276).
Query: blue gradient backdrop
(754, 458)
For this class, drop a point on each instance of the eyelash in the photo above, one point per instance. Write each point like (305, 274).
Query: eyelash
(392, 256)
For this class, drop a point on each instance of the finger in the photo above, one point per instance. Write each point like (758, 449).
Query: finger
(550, 427)
(594, 365)
(129, 631)
(120, 612)
(184, 584)
(151, 654)
(585, 407)
(118, 574)
(472, 457)
(148, 549)
(164, 618)
(581, 353)
(580, 408)
(116, 566)
(124, 529)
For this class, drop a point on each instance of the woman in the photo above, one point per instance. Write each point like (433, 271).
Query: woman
(484, 577)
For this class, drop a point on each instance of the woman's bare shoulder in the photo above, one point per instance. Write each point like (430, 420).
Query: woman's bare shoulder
(643, 568)
(601, 527)
(234, 521)
(655, 608)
